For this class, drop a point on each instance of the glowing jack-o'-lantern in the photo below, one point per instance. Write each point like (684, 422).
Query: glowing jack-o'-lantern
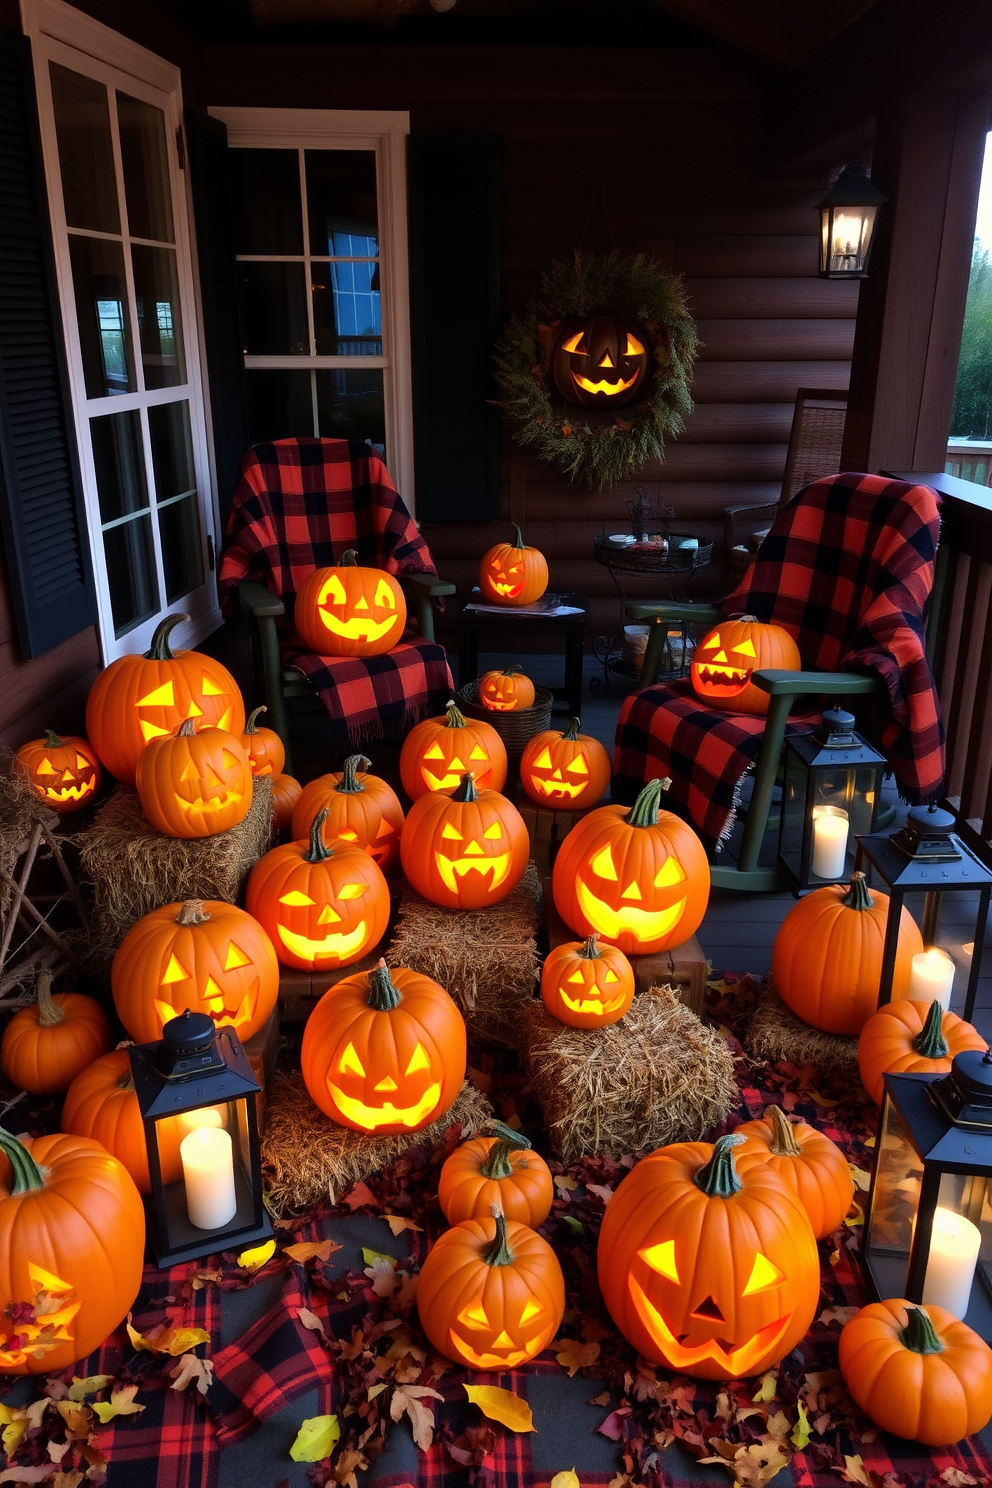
(513, 573)
(140, 698)
(724, 661)
(350, 611)
(464, 851)
(437, 752)
(506, 691)
(323, 905)
(639, 878)
(706, 1270)
(600, 361)
(384, 1051)
(502, 1169)
(194, 784)
(491, 1293)
(587, 985)
(204, 956)
(263, 746)
(65, 773)
(565, 769)
(361, 809)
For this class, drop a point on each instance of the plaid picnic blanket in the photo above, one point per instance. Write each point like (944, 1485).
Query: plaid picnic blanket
(847, 570)
(299, 505)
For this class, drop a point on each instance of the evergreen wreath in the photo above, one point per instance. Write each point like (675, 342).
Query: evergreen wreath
(606, 448)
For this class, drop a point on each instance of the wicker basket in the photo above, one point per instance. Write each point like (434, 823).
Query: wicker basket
(516, 728)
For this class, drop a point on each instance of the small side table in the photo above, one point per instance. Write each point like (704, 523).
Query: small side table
(674, 564)
(472, 623)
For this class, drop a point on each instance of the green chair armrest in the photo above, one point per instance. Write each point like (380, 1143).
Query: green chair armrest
(427, 583)
(670, 609)
(830, 684)
(421, 589)
(257, 601)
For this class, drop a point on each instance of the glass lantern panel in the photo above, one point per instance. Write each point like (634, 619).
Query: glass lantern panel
(170, 1133)
(967, 1195)
(894, 1203)
(793, 815)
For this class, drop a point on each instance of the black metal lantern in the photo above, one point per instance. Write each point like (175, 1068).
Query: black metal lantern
(847, 224)
(197, 1096)
(829, 796)
(926, 855)
(928, 1230)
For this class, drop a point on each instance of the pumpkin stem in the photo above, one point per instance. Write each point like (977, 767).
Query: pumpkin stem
(251, 727)
(186, 729)
(496, 1164)
(456, 718)
(918, 1335)
(499, 1252)
(930, 1041)
(512, 670)
(52, 740)
(348, 785)
(319, 851)
(383, 996)
(857, 896)
(507, 1134)
(126, 1081)
(719, 1178)
(26, 1173)
(192, 913)
(745, 619)
(783, 1142)
(570, 734)
(518, 537)
(466, 791)
(348, 559)
(644, 812)
(590, 951)
(160, 650)
(49, 1012)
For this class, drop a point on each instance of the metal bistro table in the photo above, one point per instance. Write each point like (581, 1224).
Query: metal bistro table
(676, 565)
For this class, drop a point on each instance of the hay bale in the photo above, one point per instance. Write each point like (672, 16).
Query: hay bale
(306, 1158)
(20, 810)
(656, 1076)
(132, 869)
(774, 1034)
(485, 958)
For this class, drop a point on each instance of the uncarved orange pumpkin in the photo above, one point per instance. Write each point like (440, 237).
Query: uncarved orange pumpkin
(511, 573)
(361, 809)
(46, 1045)
(907, 1037)
(437, 752)
(587, 985)
(812, 1165)
(263, 746)
(195, 784)
(467, 850)
(506, 691)
(346, 610)
(64, 773)
(286, 791)
(725, 659)
(101, 1103)
(565, 768)
(502, 1169)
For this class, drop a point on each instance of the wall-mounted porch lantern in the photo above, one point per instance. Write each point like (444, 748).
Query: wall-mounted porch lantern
(847, 224)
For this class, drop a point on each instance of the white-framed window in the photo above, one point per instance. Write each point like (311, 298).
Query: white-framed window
(320, 236)
(110, 114)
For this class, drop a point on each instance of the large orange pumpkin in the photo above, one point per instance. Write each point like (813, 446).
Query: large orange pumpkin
(638, 878)
(286, 791)
(101, 1103)
(384, 1051)
(503, 1170)
(360, 808)
(194, 784)
(827, 956)
(346, 610)
(706, 1270)
(467, 850)
(138, 698)
(65, 773)
(814, 1167)
(437, 752)
(565, 768)
(46, 1044)
(205, 956)
(512, 573)
(263, 746)
(72, 1237)
(506, 691)
(322, 906)
(724, 660)
(587, 985)
(907, 1037)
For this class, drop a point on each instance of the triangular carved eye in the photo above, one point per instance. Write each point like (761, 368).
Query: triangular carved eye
(478, 753)
(669, 873)
(235, 958)
(435, 752)
(82, 763)
(386, 829)
(352, 891)
(209, 687)
(450, 833)
(190, 771)
(296, 898)
(418, 1060)
(350, 1063)
(161, 697)
(543, 761)
(574, 343)
(763, 1275)
(602, 864)
(384, 595)
(610, 977)
(746, 648)
(713, 642)
(231, 761)
(45, 768)
(494, 833)
(175, 971)
(577, 977)
(578, 766)
(474, 1314)
(634, 347)
(661, 1258)
(531, 1310)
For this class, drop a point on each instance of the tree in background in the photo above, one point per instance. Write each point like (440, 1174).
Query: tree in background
(972, 416)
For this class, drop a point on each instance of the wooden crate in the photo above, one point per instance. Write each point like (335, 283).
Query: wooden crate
(548, 827)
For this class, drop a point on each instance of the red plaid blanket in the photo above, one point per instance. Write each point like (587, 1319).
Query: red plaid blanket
(847, 570)
(299, 505)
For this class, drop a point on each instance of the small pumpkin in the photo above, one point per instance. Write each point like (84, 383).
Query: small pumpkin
(321, 905)
(263, 746)
(907, 1037)
(286, 791)
(384, 1051)
(512, 573)
(491, 1294)
(638, 878)
(361, 809)
(140, 698)
(725, 659)
(600, 361)
(101, 1103)
(827, 956)
(347, 610)
(501, 1169)
(506, 691)
(813, 1166)
(64, 773)
(917, 1371)
(437, 752)
(587, 985)
(565, 768)
(46, 1044)
(194, 784)
(467, 850)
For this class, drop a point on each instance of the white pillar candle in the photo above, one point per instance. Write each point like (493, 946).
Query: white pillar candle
(932, 976)
(830, 831)
(208, 1170)
(203, 1116)
(954, 1246)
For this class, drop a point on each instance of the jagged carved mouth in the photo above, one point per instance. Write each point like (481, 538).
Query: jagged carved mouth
(737, 1360)
(451, 869)
(508, 591)
(611, 389)
(646, 924)
(591, 1005)
(726, 678)
(387, 1114)
(209, 803)
(68, 792)
(564, 788)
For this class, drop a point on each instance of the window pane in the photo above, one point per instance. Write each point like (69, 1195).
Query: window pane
(280, 405)
(182, 554)
(172, 450)
(146, 169)
(160, 326)
(86, 156)
(101, 311)
(265, 193)
(347, 317)
(120, 464)
(350, 406)
(134, 594)
(341, 202)
(273, 309)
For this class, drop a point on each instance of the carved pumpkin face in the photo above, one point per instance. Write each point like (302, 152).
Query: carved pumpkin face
(725, 659)
(263, 746)
(194, 784)
(29, 1331)
(513, 573)
(361, 809)
(565, 769)
(506, 691)
(586, 986)
(464, 851)
(436, 754)
(350, 611)
(65, 773)
(600, 361)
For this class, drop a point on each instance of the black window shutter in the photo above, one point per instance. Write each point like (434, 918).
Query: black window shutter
(41, 501)
(455, 304)
(208, 155)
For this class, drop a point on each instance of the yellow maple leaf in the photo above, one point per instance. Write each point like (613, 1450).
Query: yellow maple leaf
(502, 1406)
(315, 1439)
(766, 1390)
(12, 1434)
(252, 1259)
(80, 1388)
(121, 1403)
(164, 1340)
(574, 1356)
(397, 1223)
(320, 1250)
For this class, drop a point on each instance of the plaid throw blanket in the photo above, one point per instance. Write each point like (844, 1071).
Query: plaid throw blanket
(299, 505)
(847, 570)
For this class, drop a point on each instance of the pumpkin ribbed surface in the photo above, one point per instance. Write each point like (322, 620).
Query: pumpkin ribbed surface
(493, 1170)
(893, 1042)
(813, 1166)
(46, 1044)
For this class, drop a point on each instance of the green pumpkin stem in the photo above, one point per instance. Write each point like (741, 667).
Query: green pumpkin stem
(719, 1178)
(160, 650)
(570, 734)
(348, 559)
(590, 950)
(857, 896)
(506, 1133)
(348, 784)
(186, 729)
(644, 812)
(930, 1041)
(49, 1012)
(455, 718)
(783, 1142)
(497, 1163)
(499, 1252)
(745, 619)
(383, 996)
(251, 727)
(27, 1175)
(192, 913)
(466, 791)
(52, 740)
(518, 537)
(319, 851)
(512, 670)
(919, 1335)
